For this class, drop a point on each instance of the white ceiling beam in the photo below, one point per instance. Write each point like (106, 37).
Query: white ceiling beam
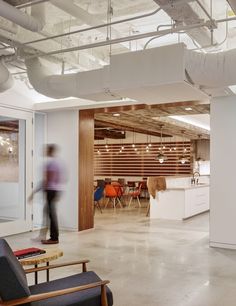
(184, 13)
(81, 14)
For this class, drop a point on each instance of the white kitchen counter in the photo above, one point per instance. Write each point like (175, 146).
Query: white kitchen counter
(189, 187)
(180, 202)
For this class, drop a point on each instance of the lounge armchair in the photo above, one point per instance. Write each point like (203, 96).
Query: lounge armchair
(82, 289)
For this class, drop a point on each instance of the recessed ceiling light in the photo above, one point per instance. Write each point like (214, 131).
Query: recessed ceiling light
(188, 108)
(116, 115)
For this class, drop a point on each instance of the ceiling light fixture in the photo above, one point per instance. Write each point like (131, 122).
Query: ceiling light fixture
(188, 108)
(133, 144)
(106, 145)
(161, 157)
(147, 145)
(170, 149)
(183, 159)
(199, 145)
(150, 141)
(116, 115)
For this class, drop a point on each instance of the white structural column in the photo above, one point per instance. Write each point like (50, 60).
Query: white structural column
(223, 173)
(62, 129)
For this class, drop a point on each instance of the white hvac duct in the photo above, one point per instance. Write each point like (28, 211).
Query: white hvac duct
(61, 86)
(34, 23)
(140, 75)
(211, 69)
(6, 80)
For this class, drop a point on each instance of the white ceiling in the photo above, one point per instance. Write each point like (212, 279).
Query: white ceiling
(199, 120)
(93, 12)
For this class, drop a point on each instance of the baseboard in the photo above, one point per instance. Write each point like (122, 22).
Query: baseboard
(39, 227)
(86, 231)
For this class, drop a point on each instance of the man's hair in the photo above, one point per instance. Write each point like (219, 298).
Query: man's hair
(51, 149)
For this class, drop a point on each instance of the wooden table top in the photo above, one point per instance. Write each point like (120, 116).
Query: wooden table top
(51, 254)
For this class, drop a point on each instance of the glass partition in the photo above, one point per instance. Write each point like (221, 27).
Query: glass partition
(12, 169)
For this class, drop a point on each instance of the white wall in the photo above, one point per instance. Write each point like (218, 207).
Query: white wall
(13, 97)
(223, 170)
(62, 129)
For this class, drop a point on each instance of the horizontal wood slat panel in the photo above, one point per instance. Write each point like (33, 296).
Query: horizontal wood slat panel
(129, 162)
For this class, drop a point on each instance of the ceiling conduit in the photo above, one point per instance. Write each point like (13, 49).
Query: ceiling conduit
(34, 23)
(6, 80)
(211, 69)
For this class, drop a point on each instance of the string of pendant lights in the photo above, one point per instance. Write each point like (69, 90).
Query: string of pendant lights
(164, 150)
(183, 158)
(161, 157)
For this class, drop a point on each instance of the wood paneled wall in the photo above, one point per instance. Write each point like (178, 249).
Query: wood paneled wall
(86, 169)
(141, 163)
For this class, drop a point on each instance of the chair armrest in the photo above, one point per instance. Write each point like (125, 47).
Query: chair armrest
(83, 262)
(47, 295)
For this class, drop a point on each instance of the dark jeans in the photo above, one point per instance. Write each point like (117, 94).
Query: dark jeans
(52, 197)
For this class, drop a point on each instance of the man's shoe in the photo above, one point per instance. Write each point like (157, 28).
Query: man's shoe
(49, 241)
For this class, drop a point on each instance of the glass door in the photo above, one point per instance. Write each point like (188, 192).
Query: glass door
(15, 171)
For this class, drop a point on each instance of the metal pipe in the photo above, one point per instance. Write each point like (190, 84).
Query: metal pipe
(31, 3)
(107, 24)
(120, 40)
(93, 28)
(226, 19)
(204, 10)
(131, 38)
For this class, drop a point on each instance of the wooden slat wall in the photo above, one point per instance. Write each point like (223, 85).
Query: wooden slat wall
(86, 174)
(140, 162)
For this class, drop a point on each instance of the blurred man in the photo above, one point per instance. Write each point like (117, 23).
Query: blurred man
(53, 180)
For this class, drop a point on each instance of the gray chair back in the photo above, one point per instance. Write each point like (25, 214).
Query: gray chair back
(13, 282)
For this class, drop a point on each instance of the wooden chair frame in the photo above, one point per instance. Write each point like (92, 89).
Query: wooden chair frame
(47, 295)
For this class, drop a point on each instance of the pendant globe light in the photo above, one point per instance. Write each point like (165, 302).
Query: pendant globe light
(161, 157)
(199, 145)
(183, 159)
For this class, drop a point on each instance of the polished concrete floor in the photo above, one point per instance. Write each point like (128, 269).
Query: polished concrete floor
(150, 263)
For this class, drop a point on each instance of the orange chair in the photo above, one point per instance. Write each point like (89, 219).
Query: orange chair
(135, 195)
(112, 195)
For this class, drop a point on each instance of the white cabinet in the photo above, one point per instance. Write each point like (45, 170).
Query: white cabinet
(196, 201)
(180, 203)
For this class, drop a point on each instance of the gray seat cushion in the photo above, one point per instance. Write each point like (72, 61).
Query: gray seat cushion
(90, 297)
(13, 283)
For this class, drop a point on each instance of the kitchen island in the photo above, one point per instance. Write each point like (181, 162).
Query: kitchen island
(180, 202)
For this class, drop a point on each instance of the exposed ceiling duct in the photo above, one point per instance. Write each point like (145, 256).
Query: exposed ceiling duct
(34, 23)
(6, 80)
(133, 75)
(212, 69)
(146, 76)
(232, 3)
